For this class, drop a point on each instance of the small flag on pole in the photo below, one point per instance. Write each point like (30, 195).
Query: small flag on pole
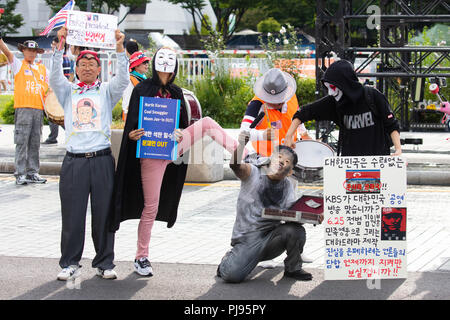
(59, 19)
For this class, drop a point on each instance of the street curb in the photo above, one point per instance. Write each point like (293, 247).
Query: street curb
(45, 168)
(428, 177)
(415, 175)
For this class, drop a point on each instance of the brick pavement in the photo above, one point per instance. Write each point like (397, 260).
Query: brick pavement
(30, 226)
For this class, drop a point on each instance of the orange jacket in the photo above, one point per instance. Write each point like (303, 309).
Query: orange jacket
(134, 80)
(276, 117)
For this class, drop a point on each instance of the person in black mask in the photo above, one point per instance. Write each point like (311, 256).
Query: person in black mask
(367, 125)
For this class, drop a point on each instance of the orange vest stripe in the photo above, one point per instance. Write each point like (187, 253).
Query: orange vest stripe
(134, 80)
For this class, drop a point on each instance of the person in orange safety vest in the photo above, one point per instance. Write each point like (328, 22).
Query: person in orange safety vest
(275, 96)
(30, 88)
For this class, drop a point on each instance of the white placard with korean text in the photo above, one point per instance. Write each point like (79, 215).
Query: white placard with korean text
(365, 217)
(90, 29)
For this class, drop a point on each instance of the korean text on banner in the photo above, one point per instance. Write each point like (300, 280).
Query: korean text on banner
(159, 117)
(365, 217)
(91, 29)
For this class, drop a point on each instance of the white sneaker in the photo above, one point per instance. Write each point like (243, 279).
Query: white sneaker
(306, 259)
(69, 272)
(143, 267)
(267, 264)
(107, 274)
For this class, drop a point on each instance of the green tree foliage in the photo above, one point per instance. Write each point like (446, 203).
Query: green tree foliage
(228, 13)
(204, 31)
(194, 7)
(269, 25)
(298, 13)
(10, 22)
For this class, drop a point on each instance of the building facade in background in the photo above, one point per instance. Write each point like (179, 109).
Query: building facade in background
(157, 16)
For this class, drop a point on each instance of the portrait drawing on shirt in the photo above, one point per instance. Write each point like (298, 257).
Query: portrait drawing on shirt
(86, 115)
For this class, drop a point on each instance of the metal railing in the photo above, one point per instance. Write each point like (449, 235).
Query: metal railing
(108, 62)
(192, 69)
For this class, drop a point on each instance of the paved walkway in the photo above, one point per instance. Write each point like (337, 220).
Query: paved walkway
(30, 226)
(428, 164)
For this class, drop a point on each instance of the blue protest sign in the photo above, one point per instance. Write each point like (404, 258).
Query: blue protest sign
(159, 117)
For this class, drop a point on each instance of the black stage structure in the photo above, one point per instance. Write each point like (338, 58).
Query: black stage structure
(400, 67)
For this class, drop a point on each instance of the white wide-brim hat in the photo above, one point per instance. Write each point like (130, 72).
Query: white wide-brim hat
(275, 86)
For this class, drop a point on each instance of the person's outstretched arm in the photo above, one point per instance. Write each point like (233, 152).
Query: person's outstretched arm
(289, 138)
(395, 136)
(319, 110)
(5, 50)
(57, 81)
(241, 170)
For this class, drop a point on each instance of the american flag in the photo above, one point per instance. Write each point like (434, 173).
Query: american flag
(59, 19)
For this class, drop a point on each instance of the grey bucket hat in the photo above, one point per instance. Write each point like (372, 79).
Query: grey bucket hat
(275, 86)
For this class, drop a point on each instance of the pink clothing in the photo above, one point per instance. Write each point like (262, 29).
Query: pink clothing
(152, 173)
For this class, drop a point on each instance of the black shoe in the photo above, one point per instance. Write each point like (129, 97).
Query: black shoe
(49, 142)
(300, 275)
(218, 272)
(143, 267)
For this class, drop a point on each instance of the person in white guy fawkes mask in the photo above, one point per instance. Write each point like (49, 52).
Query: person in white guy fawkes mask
(367, 125)
(150, 189)
(165, 60)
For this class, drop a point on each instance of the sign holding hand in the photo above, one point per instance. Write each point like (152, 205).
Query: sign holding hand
(120, 38)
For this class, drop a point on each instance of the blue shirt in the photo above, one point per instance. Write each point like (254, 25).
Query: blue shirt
(88, 116)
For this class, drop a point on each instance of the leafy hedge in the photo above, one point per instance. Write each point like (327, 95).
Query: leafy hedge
(7, 110)
(224, 98)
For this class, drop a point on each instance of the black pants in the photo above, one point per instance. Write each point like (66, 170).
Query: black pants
(54, 128)
(249, 250)
(79, 179)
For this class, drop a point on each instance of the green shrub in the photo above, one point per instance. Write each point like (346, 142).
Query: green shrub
(306, 88)
(7, 111)
(117, 111)
(223, 97)
(268, 25)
